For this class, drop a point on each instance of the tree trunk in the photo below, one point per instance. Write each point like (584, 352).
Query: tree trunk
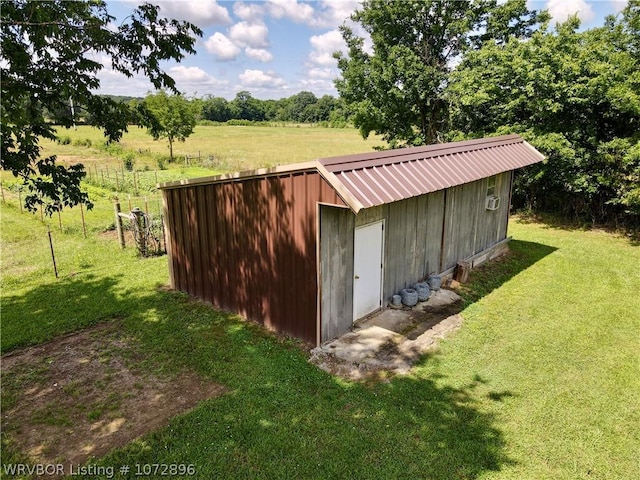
(170, 149)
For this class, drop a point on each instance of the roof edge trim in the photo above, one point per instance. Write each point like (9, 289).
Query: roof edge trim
(234, 176)
(339, 187)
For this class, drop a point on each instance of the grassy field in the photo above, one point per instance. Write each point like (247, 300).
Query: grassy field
(222, 147)
(542, 381)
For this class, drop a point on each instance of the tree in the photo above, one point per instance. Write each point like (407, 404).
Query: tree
(398, 89)
(297, 109)
(576, 97)
(48, 56)
(169, 116)
(216, 109)
(245, 107)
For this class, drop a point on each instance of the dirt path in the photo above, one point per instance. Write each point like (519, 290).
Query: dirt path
(81, 395)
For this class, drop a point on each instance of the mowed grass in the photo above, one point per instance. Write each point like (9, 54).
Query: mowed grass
(541, 382)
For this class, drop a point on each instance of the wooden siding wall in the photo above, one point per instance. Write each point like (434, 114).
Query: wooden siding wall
(469, 226)
(423, 235)
(336, 270)
(413, 234)
(250, 247)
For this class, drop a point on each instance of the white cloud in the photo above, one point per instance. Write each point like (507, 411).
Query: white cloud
(618, 5)
(560, 10)
(291, 9)
(326, 14)
(259, 54)
(324, 46)
(202, 12)
(193, 75)
(223, 48)
(246, 34)
(331, 13)
(258, 78)
(189, 74)
(251, 12)
(322, 73)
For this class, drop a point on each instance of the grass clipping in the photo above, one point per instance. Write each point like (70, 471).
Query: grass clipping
(81, 395)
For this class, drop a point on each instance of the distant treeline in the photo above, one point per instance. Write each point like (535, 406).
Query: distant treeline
(303, 107)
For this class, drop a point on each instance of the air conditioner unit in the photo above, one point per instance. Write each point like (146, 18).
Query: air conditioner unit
(492, 202)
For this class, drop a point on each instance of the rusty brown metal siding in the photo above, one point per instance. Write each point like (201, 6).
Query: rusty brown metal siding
(250, 246)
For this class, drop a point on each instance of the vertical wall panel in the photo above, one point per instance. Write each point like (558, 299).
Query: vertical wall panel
(492, 223)
(179, 241)
(336, 270)
(435, 214)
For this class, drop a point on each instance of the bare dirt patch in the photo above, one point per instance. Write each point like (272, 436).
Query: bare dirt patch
(81, 395)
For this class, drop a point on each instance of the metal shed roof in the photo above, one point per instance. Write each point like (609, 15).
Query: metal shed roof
(370, 179)
(383, 177)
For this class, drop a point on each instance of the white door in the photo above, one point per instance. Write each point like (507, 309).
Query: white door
(367, 269)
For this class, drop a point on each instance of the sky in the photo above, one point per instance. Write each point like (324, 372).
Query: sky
(277, 48)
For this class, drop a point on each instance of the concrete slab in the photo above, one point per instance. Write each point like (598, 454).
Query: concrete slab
(392, 340)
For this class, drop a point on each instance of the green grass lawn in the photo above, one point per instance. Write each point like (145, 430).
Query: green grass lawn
(541, 382)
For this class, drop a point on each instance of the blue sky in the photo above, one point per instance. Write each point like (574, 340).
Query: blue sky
(276, 48)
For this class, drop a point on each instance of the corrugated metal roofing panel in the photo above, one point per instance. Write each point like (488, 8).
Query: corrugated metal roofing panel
(382, 177)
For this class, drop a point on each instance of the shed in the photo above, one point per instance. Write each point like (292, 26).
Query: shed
(307, 249)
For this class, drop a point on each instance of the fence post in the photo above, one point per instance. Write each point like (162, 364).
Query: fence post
(53, 257)
(84, 227)
(60, 217)
(116, 208)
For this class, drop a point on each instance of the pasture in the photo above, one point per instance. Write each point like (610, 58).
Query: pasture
(542, 381)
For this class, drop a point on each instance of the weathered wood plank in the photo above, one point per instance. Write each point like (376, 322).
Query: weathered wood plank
(336, 250)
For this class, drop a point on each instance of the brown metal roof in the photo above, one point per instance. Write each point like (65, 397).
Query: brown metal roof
(382, 177)
(375, 178)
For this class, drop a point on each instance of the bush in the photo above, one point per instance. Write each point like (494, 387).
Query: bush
(161, 163)
(82, 142)
(64, 140)
(112, 148)
(240, 123)
(128, 160)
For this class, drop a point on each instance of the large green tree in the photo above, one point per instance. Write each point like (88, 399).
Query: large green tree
(397, 89)
(169, 116)
(576, 97)
(49, 55)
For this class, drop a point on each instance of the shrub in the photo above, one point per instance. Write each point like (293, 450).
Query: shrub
(128, 160)
(82, 142)
(64, 140)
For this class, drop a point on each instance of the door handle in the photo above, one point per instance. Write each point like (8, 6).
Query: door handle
(357, 277)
